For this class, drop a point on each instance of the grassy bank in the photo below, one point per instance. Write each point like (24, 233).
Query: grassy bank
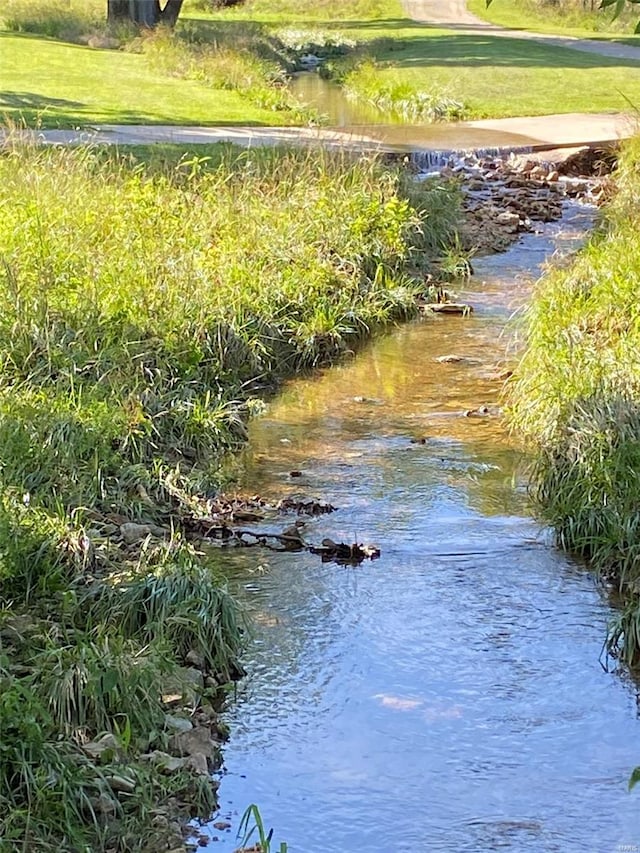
(577, 398)
(148, 297)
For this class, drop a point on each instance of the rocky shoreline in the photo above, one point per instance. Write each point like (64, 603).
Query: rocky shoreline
(506, 197)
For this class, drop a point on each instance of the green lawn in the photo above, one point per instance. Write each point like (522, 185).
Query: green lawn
(494, 77)
(497, 77)
(527, 15)
(58, 84)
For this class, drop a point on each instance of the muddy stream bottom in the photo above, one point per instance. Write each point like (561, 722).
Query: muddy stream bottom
(448, 696)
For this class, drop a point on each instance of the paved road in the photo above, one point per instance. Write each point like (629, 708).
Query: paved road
(453, 14)
(542, 132)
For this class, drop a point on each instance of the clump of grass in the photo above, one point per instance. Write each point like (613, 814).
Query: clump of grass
(251, 824)
(68, 20)
(177, 601)
(153, 299)
(247, 63)
(577, 395)
(397, 97)
(101, 684)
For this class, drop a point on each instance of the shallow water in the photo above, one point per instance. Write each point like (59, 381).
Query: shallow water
(361, 119)
(448, 696)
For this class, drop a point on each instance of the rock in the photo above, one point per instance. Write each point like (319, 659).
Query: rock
(449, 359)
(198, 763)
(121, 784)
(538, 172)
(177, 724)
(104, 805)
(104, 748)
(449, 308)
(195, 659)
(221, 824)
(132, 532)
(553, 176)
(457, 359)
(511, 220)
(186, 691)
(168, 764)
(195, 742)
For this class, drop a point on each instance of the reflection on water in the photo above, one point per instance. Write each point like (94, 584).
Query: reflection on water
(447, 696)
(362, 119)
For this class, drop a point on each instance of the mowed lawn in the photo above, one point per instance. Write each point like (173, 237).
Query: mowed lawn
(54, 83)
(494, 77)
(499, 77)
(581, 23)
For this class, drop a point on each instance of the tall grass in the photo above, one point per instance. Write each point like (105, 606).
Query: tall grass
(149, 301)
(397, 97)
(66, 19)
(146, 298)
(244, 58)
(577, 394)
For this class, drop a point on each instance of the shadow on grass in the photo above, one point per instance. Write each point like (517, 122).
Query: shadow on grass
(31, 110)
(430, 45)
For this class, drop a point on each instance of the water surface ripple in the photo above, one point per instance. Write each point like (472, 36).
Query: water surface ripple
(448, 696)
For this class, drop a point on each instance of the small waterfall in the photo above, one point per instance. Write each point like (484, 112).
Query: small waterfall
(429, 160)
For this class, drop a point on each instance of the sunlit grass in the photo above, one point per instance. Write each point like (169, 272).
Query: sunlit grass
(148, 297)
(577, 394)
(572, 18)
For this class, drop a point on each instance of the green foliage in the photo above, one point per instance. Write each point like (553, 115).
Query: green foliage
(46, 787)
(634, 778)
(245, 60)
(177, 602)
(154, 296)
(399, 97)
(577, 396)
(252, 813)
(68, 20)
(145, 297)
(587, 14)
(103, 684)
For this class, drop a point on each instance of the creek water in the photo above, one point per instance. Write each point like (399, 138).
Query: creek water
(362, 119)
(449, 695)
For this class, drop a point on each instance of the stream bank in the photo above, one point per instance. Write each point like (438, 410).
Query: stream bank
(577, 400)
(449, 694)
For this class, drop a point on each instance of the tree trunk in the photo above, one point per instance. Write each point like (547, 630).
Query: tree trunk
(146, 13)
(169, 14)
(117, 10)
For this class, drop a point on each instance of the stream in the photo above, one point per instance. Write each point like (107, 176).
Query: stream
(363, 119)
(449, 695)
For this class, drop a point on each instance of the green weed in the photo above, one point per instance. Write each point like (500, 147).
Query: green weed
(252, 815)
(399, 97)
